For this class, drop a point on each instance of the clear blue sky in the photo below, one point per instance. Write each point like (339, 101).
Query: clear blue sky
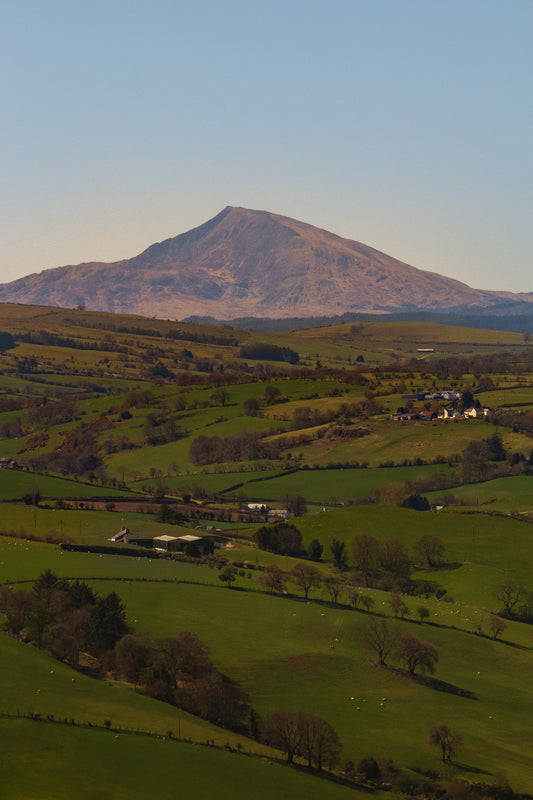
(404, 124)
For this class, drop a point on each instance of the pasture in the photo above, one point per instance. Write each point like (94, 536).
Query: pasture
(335, 486)
(312, 657)
(285, 652)
(320, 486)
(56, 762)
(14, 485)
(292, 664)
(513, 494)
(395, 441)
(77, 525)
(482, 551)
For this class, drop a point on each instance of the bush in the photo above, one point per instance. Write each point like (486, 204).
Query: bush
(370, 768)
(282, 538)
(269, 352)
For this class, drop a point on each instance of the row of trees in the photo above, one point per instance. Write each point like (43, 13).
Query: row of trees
(309, 736)
(385, 564)
(304, 734)
(412, 653)
(376, 563)
(38, 417)
(307, 578)
(243, 446)
(369, 557)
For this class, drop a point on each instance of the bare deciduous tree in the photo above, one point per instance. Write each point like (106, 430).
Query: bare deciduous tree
(365, 556)
(306, 577)
(416, 654)
(496, 625)
(380, 638)
(273, 579)
(429, 549)
(334, 587)
(301, 733)
(510, 594)
(442, 736)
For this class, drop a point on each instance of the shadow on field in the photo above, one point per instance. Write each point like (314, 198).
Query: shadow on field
(470, 768)
(442, 686)
(447, 565)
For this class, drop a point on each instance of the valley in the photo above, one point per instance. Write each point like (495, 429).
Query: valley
(308, 507)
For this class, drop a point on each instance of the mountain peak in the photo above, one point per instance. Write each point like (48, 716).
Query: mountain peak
(245, 262)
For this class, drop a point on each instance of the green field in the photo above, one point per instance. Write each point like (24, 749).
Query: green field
(82, 526)
(320, 486)
(14, 485)
(334, 486)
(90, 402)
(394, 441)
(482, 550)
(292, 665)
(55, 762)
(511, 494)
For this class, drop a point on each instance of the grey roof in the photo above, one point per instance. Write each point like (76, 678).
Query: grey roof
(166, 538)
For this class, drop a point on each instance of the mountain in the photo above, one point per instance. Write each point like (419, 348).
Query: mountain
(251, 263)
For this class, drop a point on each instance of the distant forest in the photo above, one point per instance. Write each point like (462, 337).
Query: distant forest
(509, 318)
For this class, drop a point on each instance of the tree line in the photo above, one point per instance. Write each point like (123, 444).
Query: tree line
(247, 445)
(90, 632)
(269, 352)
(374, 564)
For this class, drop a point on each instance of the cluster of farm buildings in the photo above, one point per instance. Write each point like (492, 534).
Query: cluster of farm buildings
(446, 412)
(190, 544)
(194, 544)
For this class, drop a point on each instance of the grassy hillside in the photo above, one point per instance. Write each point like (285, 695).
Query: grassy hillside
(59, 762)
(309, 656)
(120, 421)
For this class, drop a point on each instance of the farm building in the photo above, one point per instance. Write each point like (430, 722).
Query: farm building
(260, 508)
(125, 536)
(189, 544)
(477, 413)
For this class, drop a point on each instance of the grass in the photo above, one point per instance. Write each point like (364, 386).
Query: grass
(512, 494)
(517, 396)
(23, 561)
(323, 486)
(40, 684)
(213, 482)
(14, 485)
(292, 665)
(482, 550)
(81, 526)
(394, 441)
(54, 762)
(333, 486)
(287, 653)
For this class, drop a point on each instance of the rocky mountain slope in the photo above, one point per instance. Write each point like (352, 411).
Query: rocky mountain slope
(251, 263)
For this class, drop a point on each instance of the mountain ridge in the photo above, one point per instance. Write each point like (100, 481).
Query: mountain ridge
(246, 263)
